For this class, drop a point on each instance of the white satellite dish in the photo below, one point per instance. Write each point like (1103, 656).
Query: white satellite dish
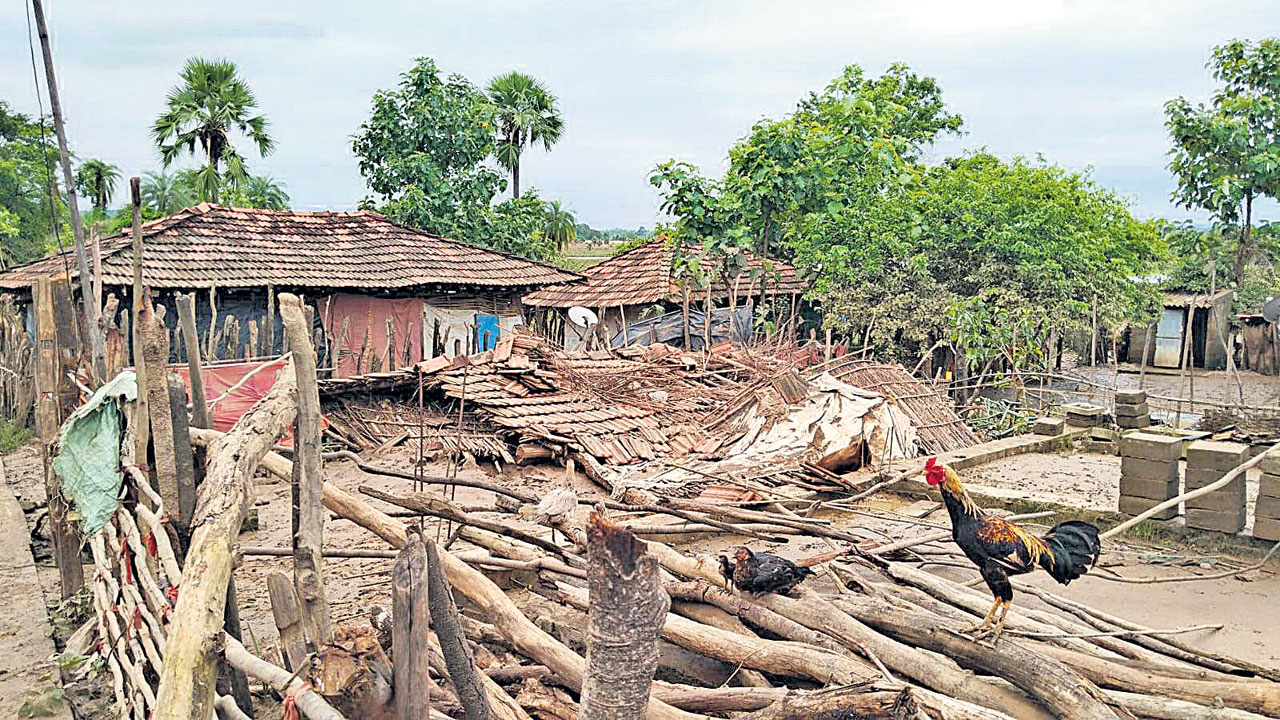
(582, 316)
(1271, 311)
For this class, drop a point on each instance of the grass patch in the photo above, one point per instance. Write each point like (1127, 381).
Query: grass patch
(12, 436)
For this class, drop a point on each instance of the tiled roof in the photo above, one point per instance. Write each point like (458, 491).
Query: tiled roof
(208, 245)
(643, 275)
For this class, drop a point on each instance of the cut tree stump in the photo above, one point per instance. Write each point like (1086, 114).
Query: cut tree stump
(284, 609)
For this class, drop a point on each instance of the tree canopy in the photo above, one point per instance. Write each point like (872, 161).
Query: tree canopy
(29, 200)
(527, 114)
(211, 103)
(424, 151)
(1226, 153)
(96, 179)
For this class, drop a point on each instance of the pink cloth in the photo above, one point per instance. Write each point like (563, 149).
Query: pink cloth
(222, 376)
(365, 313)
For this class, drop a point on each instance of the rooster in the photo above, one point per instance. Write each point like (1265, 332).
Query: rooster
(1000, 548)
(761, 572)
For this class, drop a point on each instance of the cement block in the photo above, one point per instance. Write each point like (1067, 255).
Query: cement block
(1133, 423)
(1224, 522)
(1266, 529)
(1082, 421)
(1269, 485)
(1267, 508)
(1151, 446)
(1132, 410)
(1137, 506)
(1049, 426)
(1130, 397)
(1197, 479)
(1217, 501)
(1211, 454)
(1147, 488)
(1271, 462)
(1166, 471)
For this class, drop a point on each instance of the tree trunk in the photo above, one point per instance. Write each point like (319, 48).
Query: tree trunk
(453, 642)
(628, 606)
(187, 679)
(409, 634)
(186, 305)
(515, 179)
(77, 229)
(1246, 241)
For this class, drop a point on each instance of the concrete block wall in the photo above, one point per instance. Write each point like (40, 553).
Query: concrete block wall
(1224, 509)
(1266, 513)
(1149, 472)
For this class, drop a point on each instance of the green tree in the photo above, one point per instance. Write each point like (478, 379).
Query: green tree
(261, 191)
(1226, 153)
(28, 196)
(97, 180)
(165, 193)
(211, 102)
(422, 153)
(527, 114)
(561, 227)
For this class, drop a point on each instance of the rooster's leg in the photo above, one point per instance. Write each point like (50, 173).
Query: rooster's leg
(986, 621)
(999, 628)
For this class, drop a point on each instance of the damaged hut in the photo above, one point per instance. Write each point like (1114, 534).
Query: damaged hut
(382, 295)
(638, 299)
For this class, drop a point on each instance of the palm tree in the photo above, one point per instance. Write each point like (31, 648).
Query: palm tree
(96, 179)
(261, 191)
(561, 226)
(527, 113)
(211, 102)
(165, 193)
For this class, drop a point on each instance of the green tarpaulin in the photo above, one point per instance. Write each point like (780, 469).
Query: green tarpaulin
(88, 460)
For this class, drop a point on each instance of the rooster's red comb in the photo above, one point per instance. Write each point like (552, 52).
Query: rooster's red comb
(931, 463)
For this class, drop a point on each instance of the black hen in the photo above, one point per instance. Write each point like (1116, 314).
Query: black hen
(762, 572)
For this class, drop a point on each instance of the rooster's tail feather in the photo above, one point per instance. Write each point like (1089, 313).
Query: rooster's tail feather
(1073, 549)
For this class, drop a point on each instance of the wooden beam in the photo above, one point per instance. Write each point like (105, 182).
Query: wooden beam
(308, 531)
(187, 681)
(186, 304)
(46, 361)
(142, 431)
(453, 641)
(183, 457)
(288, 618)
(155, 353)
(64, 534)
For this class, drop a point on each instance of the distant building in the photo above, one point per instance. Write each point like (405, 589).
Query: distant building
(1207, 316)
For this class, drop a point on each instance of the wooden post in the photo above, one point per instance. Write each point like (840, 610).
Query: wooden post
(826, 355)
(684, 291)
(77, 228)
(235, 676)
(187, 681)
(453, 642)
(46, 361)
(184, 459)
(269, 327)
(1093, 337)
(186, 305)
(1147, 343)
(142, 434)
(63, 533)
(627, 611)
(211, 345)
(1186, 360)
(308, 530)
(706, 319)
(155, 351)
(284, 609)
(96, 247)
(410, 608)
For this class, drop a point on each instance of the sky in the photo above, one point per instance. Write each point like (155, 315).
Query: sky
(1082, 83)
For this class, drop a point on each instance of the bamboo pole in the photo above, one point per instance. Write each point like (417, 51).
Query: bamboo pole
(308, 535)
(77, 227)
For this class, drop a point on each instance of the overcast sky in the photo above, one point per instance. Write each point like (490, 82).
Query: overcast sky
(1082, 83)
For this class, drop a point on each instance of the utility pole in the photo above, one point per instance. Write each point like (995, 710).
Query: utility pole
(82, 257)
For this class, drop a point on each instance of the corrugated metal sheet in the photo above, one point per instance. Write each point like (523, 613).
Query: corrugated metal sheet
(642, 276)
(1184, 299)
(212, 245)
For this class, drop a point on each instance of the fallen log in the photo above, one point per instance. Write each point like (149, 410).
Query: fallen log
(626, 613)
(787, 658)
(457, 655)
(840, 702)
(1151, 706)
(190, 669)
(818, 614)
(1062, 691)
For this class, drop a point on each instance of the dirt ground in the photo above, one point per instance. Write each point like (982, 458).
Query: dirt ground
(1217, 386)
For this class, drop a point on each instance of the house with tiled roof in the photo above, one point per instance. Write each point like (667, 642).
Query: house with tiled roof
(383, 295)
(642, 282)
